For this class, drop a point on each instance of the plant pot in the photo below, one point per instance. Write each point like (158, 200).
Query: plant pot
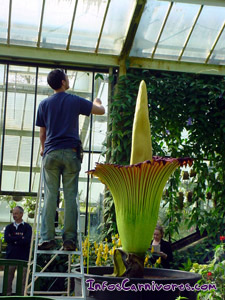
(185, 175)
(100, 285)
(189, 196)
(17, 198)
(31, 215)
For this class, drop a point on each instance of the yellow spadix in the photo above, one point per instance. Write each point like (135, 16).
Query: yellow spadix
(141, 148)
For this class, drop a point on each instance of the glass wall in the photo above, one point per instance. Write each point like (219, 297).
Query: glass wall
(22, 88)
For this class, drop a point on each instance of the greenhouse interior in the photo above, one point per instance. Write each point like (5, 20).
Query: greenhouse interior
(170, 53)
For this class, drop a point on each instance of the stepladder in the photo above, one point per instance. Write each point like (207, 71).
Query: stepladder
(52, 273)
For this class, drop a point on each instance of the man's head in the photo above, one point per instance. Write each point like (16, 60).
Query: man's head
(17, 214)
(58, 79)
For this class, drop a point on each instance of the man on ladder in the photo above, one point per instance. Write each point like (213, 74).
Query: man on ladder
(58, 119)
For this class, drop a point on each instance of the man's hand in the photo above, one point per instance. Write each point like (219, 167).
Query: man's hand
(41, 152)
(97, 108)
(97, 101)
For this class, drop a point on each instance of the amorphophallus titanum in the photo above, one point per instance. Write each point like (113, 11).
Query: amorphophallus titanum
(137, 188)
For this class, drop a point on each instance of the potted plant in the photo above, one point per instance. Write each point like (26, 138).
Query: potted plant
(29, 206)
(137, 190)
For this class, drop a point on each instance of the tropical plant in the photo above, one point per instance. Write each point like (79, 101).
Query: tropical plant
(187, 119)
(213, 273)
(137, 188)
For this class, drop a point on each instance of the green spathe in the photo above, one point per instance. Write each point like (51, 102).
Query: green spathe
(137, 191)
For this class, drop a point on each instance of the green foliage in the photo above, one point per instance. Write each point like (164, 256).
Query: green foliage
(178, 103)
(213, 273)
(201, 252)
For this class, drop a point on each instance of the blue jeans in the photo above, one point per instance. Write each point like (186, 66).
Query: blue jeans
(57, 163)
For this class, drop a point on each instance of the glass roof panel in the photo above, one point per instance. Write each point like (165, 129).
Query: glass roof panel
(56, 23)
(25, 22)
(11, 146)
(178, 26)
(149, 28)
(4, 15)
(25, 151)
(205, 33)
(21, 181)
(218, 55)
(8, 179)
(87, 24)
(116, 26)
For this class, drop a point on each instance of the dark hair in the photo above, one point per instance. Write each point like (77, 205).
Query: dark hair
(55, 78)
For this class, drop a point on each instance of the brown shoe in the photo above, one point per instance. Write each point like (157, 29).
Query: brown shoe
(69, 245)
(46, 245)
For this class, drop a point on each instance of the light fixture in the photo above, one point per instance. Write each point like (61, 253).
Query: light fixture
(200, 2)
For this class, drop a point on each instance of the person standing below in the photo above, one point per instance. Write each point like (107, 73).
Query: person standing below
(164, 251)
(18, 237)
(58, 119)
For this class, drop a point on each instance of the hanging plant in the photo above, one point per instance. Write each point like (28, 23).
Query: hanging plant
(17, 198)
(189, 197)
(185, 175)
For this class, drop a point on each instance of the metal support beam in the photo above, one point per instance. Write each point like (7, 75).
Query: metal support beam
(101, 30)
(21, 54)
(162, 28)
(57, 57)
(71, 27)
(215, 43)
(174, 66)
(41, 24)
(190, 33)
(9, 22)
(132, 29)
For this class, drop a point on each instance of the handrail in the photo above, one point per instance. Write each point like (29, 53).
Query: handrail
(20, 264)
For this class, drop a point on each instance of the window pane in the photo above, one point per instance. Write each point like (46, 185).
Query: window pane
(25, 21)
(116, 26)
(4, 15)
(2, 102)
(19, 125)
(174, 35)
(56, 23)
(218, 55)
(87, 24)
(204, 34)
(149, 28)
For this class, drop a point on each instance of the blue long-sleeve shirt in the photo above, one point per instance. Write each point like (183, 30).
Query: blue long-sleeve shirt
(18, 241)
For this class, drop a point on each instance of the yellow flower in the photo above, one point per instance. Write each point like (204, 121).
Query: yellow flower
(158, 260)
(106, 240)
(105, 257)
(106, 250)
(119, 242)
(101, 247)
(116, 236)
(152, 250)
(146, 259)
